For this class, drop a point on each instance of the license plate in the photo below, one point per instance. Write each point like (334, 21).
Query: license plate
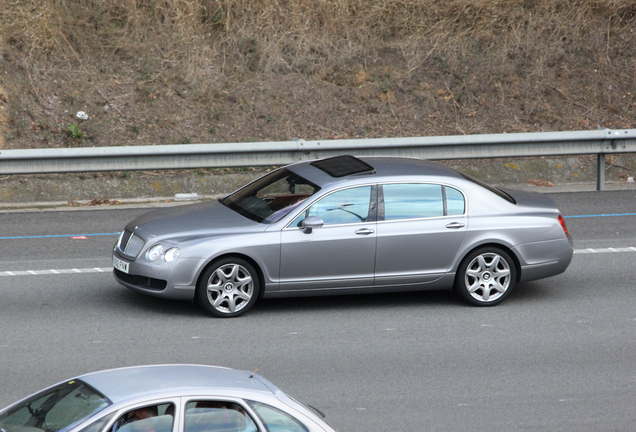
(120, 265)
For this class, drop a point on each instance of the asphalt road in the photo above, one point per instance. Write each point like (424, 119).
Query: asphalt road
(558, 355)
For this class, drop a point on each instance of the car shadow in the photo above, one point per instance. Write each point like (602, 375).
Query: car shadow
(129, 301)
(133, 302)
(534, 292)
(356, 302)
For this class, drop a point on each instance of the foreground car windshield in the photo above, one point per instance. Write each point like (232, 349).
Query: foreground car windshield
(54, 410)
(271, 197)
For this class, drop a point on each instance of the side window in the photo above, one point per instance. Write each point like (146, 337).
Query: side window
(275, 420)
(343, 207)
(412, 201)
(455, 205)
(217, 416)
(153, 418)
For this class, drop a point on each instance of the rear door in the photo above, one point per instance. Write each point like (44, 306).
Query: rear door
(420, 229)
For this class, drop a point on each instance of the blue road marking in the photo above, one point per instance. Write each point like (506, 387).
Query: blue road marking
(59, 235)
(601, 215)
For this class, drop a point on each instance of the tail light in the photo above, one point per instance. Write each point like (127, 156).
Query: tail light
(562, 222)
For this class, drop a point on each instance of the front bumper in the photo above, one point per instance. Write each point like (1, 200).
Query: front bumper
(176, 280)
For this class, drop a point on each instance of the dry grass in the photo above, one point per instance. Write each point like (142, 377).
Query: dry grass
(239, 70)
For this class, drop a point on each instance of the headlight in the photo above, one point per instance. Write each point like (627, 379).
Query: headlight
(155, 252)
(172, 254)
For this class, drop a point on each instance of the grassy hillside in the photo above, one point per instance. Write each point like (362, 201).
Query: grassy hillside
(197, 71)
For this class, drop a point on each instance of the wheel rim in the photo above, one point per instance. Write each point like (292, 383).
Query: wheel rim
(230, 288)
(487, 277)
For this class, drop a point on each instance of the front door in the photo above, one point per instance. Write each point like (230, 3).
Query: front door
(341, 253)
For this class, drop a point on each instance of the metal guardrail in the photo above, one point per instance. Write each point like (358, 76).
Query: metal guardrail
(188, 156)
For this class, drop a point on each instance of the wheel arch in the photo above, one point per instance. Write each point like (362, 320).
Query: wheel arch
(501, 246)
(250, 260)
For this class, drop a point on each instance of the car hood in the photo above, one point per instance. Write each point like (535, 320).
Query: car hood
(209, 218)
(531, 199)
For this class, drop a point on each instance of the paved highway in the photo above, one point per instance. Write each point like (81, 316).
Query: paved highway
(558, 355)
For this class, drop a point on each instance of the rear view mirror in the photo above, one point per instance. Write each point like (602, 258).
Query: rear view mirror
(310, 223)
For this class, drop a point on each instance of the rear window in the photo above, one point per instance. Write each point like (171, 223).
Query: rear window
(494, 190)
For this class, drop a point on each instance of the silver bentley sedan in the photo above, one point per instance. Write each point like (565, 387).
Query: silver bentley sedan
(346, 225)
(162, 398)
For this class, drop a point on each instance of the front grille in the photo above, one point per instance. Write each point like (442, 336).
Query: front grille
(130, 244)
(141, 281)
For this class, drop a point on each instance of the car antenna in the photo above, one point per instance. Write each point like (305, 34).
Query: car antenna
(254, 373)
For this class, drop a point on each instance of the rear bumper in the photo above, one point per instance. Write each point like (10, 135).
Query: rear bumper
(544, 259)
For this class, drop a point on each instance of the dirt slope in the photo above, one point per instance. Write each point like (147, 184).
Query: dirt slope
(201, 71)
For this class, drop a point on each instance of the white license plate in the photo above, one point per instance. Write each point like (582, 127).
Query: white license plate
(120, 265)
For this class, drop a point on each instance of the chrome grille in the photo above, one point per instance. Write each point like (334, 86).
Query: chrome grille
(130, 244)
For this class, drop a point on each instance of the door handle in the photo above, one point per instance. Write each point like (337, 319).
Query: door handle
(455, 225)
(364, 231)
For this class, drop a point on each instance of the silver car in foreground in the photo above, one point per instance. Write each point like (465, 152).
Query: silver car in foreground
(346, 225)
(162, 398)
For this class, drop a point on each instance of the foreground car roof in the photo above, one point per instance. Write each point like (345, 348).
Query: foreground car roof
(133, 382)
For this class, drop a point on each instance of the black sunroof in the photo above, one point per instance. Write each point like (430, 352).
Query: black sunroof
(341, 166)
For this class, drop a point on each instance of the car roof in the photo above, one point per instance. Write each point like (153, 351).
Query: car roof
(384, 169)
(170, 380)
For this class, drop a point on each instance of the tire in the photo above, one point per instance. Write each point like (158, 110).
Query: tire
(486, 276)
(228, 287)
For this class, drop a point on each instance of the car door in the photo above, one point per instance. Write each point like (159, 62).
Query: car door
(419, 231)
(339, 254)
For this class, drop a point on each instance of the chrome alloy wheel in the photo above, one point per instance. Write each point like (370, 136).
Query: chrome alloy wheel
(487, 277)
(230, 288)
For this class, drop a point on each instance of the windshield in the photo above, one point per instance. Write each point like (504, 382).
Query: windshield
(271, 197)
(54, 410)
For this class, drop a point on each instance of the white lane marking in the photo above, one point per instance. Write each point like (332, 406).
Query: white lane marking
(605, 250)
(50, 272)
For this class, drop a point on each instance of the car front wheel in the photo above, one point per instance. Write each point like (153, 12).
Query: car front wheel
(228, 288)
(486, 277)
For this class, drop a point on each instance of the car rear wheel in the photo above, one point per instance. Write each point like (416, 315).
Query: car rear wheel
(228, 288)
(486, 277)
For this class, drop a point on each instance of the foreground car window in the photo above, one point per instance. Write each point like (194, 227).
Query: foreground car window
(55, 409)
(342, 207)
(275, 420)
(212, 416)
(271, 197)
(153, 418)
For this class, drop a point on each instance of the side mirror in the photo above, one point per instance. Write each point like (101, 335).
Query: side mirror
(310, 223)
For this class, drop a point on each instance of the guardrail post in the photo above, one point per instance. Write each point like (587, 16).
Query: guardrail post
(600, 172)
